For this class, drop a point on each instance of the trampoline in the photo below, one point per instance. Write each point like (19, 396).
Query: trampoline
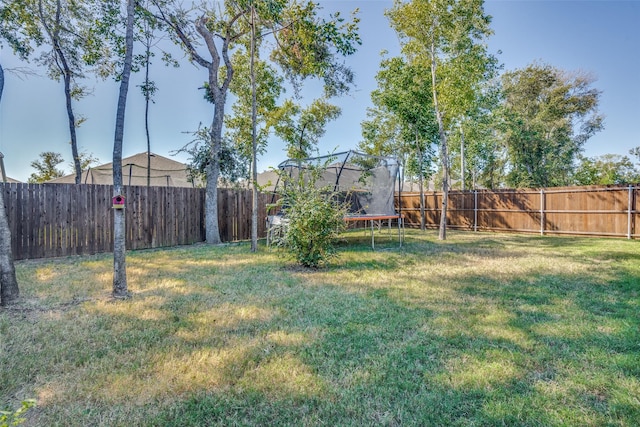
(365, 183)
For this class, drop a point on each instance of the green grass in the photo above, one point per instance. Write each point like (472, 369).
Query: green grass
(481, 329)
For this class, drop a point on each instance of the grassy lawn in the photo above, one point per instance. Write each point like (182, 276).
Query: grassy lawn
(482, 329)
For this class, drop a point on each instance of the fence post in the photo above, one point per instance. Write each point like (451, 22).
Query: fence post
(475, 210)
(542, 219)
(629, 216)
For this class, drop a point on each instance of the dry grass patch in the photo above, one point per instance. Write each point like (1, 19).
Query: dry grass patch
(483, 329)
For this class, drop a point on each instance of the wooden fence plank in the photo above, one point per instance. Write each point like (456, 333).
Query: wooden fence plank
(50, 220)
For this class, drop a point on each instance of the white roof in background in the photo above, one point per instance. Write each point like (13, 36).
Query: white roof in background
(165, 172)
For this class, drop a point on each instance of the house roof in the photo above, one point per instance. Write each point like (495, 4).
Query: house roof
(165, 172)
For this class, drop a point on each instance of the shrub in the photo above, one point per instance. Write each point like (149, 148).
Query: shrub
(14, 418)
(314, 219)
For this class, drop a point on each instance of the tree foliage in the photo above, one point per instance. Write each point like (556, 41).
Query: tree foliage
(233, 162)
(62, 28)
(405, 115)
(46, 167)
(548, 115)
(477, 154)
(447, 38)
(18, 28)
(403, 120)
(607, 169)
(305, 45)
(302, 127)
(314, 218)
(269, 87)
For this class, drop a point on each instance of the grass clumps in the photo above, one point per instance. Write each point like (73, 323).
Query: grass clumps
(478, 330)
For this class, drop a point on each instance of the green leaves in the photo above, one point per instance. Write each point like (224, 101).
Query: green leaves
(18, 28)
(448, 36)
(314, 218)
(548, 115)
(15, 418)
(607, 169)
(301, 128)
(308, 46)
(46, 167)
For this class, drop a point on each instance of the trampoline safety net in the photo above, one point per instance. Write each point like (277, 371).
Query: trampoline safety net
(367, 183)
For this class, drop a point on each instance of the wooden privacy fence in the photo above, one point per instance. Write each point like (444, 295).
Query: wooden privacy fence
(53, 220)
(597, 211)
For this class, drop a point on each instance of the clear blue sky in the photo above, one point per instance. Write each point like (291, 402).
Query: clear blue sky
(600, 37)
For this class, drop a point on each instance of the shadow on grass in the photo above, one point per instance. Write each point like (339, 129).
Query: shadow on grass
(221, 337)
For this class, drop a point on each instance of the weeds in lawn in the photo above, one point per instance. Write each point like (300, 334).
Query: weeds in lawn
(482, 329)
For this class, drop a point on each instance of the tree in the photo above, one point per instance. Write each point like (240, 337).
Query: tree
(62, 24)
(404, 92)
(46, 167)
(119, 249)
(301, 128)
(9, 291)
(607, 169)
(18, 29)
(149, 87)
(86, 160)
(547, 116)
(148, 25)
(446, 37)
(248, 131)
(476, 151)
(635, 152)
(305, 47)
(14, 30)
(234, 162)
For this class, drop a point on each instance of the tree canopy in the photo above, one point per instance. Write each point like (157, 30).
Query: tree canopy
(46, 167)
(607, 169)
(447, 38)
(548, 115)
(306, 45)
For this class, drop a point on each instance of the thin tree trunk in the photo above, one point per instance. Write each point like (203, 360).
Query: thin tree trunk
(67, 74)
(147, 99)
(72, 127)
(444, 152)
(119, 230)
(254, 142)
(421, 186)
(9, 291)
(462, 158)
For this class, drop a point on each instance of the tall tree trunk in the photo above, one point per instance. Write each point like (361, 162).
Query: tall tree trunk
(119, 230)
(9, 291)
(67, 74)
(72, 129)
(423, 221)
(254, 142)
(213, 170)
(147, 99)
(462, 165)
(219, 97)
(444, 152)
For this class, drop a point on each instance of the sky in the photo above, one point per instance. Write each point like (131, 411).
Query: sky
(598, 37)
